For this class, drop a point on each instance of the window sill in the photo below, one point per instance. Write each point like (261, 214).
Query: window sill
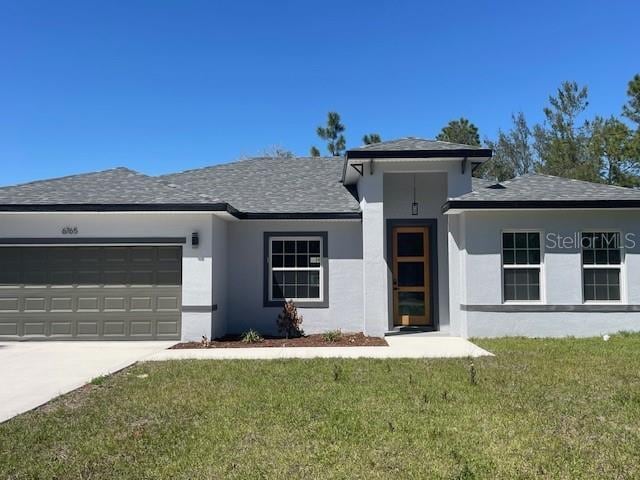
(523, 302)
(303, 304)
(604, 302)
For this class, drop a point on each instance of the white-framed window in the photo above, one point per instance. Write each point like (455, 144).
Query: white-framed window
(601, 266)
(296, 268)
(521, 266)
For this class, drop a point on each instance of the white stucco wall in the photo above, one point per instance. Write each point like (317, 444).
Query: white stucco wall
(561, 279)
(196, 263)
(245, 275)
(387, 193)
(220, 279)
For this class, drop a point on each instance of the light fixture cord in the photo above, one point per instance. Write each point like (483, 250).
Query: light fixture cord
(414, 188)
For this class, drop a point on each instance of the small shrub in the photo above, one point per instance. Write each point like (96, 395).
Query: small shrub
(473, 374)
(332, 336)
(289, 322)
(252, 336)
(97, 381)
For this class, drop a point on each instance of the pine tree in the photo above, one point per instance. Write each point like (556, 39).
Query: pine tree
(460, 131)
(332, 133)
(371, 138)
(562, 145)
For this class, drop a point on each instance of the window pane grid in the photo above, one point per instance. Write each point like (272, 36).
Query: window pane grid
(521, 248)
(296, 266)
(521, 266)
(601, 248)
(601, 260)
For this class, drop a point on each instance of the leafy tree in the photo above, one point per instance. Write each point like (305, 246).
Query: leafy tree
(513, 153)
(460, 131)
(562, 145)
(314, 152)
(332, 133)
(613, 143)
(631, 109)
(371, 138)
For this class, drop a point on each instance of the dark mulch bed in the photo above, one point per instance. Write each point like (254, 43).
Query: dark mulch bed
(345, 340)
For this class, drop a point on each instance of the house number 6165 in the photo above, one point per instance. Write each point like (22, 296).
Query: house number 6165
(69, 230)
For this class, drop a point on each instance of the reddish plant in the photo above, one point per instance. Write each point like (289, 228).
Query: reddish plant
(289, 322)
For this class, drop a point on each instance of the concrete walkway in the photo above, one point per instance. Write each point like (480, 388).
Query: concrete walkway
(400, 346)
(32, 373)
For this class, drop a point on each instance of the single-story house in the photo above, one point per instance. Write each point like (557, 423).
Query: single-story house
(395, 236)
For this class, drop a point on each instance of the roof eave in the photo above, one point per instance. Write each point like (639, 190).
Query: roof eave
(462, 205)
(480, 154)
(120, 207)
(178, 207)
(453, 153)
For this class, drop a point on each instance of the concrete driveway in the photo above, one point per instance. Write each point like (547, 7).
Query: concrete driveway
(32, 373)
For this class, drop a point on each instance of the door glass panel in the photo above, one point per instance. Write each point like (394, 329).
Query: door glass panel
(411, 274)
(411, 303)
(410, 244)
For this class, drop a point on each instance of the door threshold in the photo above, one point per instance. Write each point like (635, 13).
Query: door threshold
(404, 330)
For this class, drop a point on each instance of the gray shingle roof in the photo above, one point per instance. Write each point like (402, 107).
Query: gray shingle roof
(414, 143)
(478, 183)
(115, 186)
(536, 187)
(273, 185)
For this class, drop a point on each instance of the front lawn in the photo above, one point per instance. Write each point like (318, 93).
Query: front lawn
(542, 408)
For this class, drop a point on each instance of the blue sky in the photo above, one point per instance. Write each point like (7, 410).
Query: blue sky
(163, 86)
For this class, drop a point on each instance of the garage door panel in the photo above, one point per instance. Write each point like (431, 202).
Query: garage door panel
(168, 328)
(116, 277)
(167, 304)
(9, 328)
(61, 304)
(141, 328)
(61, 278)
(10, 304)
(141, 304)
(35, 304)
(61, 328)
(115, 304)
(87, 328)
(88, 255)
(34, 328)
(88, 304)
(9, 275)
(117, 255)
(34, 277)
(144, 254)
(90, 292)
(114, 328)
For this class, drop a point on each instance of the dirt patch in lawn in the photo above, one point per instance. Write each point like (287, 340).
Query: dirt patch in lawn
(317, 340)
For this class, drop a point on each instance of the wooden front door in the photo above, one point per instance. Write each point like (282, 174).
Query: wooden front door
(411, 277)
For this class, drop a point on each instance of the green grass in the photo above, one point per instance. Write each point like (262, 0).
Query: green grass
(541, 409)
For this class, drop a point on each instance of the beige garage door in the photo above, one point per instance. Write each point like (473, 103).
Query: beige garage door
(90, 293)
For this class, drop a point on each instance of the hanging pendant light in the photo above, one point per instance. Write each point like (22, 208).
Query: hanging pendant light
(414, 204)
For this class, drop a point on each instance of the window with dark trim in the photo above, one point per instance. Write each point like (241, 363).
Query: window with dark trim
(521, 260)
(601, 264)
(297, 268)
